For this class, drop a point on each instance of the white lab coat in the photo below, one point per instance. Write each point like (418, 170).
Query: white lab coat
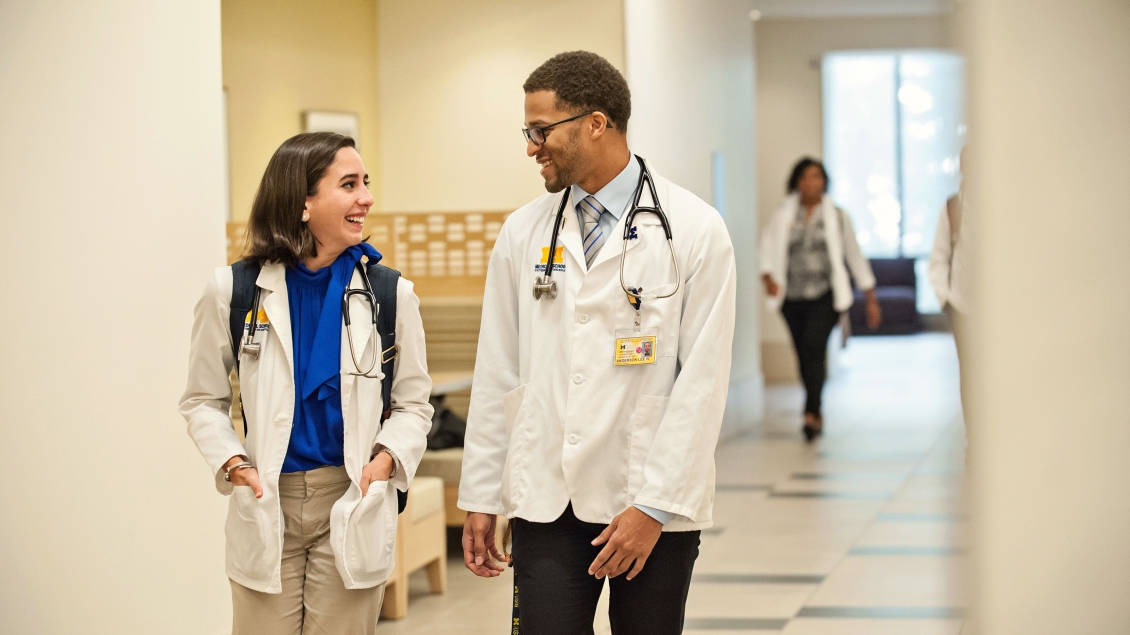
(362, 532)
(948, 262)
(552, 420)
(842, 247)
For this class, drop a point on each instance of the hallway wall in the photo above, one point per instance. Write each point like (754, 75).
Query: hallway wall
(790, 117)
(451, 97)
(690, 66)
(1050, 433)
(283, 57)
(111, 164)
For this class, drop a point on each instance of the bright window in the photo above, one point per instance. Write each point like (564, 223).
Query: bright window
(894, 126)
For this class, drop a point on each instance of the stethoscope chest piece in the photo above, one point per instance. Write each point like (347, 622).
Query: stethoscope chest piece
(546, 287)
(249, 349)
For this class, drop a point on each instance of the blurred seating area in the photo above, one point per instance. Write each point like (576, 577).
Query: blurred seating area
(896, 288)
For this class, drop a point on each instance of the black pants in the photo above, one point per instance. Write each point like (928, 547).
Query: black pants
(811, 322)
(557, 596)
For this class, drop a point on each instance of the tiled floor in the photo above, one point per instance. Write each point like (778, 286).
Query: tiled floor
(859, 534)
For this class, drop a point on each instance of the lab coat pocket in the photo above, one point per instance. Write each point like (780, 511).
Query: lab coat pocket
(512, 406)
(252, 545)
(370, 534)
(246, 505)
(644, 425)
(514, 470)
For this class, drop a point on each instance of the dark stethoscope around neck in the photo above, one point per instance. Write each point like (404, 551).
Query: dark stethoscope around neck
(545, 286)
(248, 346)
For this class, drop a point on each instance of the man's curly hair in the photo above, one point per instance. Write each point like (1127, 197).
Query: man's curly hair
(585, 81)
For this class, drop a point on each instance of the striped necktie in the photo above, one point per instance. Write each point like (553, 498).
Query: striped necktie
(591, 210)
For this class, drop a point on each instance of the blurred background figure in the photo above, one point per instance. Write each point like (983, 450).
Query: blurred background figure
(949, 276)
(806, 254)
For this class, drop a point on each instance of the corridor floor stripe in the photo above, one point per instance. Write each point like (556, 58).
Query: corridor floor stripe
(734, 624)
(882, 612)
(898, 550)
(849, 476)
(742, 487)
(918, 518)
(743, 578)
(859, 496)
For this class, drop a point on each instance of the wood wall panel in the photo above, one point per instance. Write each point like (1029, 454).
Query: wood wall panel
(443, 254)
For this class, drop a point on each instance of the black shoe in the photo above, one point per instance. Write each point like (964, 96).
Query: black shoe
(810, 432)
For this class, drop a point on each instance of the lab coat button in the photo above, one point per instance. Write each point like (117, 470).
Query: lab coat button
(573, 439)
(578, 379)
(584, 319)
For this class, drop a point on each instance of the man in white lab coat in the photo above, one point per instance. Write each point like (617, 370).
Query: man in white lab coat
(594, 417)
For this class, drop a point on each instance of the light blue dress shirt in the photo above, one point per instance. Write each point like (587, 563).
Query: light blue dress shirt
(615, 199)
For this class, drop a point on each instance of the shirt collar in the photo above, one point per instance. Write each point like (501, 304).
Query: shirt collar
(617, 195)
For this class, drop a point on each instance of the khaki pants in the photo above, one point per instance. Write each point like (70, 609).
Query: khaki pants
(314, 600)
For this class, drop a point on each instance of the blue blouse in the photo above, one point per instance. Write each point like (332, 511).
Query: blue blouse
(317, 437)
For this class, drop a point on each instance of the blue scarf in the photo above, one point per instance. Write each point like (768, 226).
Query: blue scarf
(323, 373)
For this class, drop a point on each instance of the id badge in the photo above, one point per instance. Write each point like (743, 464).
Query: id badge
(634, 348)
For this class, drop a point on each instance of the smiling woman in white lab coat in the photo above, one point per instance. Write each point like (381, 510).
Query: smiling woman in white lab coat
(312, 519)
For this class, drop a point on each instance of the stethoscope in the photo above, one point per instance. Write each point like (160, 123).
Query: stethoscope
(548, 287)
(250, 347)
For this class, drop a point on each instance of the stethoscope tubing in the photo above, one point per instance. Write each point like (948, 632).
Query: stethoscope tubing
(548, 287)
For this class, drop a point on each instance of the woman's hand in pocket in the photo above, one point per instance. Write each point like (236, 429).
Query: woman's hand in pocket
(378, 469)
(247, 476)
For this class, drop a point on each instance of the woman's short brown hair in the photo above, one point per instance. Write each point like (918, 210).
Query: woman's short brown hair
(275, 231)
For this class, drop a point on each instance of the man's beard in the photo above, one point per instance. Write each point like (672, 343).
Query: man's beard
(565, 164)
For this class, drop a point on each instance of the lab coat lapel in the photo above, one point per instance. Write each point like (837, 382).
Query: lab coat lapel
(276, 303)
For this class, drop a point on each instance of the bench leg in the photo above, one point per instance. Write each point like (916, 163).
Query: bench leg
(437, 575)
(396, 599)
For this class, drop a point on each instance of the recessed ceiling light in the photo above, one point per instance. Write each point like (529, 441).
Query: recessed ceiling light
(754, 15)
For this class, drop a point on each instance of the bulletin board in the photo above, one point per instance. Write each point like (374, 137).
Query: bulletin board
(445, 254)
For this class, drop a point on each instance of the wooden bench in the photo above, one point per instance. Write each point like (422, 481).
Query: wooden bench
(421, 541)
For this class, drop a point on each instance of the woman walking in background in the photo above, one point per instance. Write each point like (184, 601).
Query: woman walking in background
(803, 254)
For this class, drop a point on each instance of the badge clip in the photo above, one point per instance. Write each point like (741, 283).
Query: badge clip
(635, 297)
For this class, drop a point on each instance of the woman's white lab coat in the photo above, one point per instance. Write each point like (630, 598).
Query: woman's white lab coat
(842, 247)
(552, 419)
(362, 532)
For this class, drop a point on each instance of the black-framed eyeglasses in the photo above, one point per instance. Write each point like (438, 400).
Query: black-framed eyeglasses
(536, 136)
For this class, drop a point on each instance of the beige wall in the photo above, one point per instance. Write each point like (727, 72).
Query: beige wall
(691, 71)
(790, 114)
(111, 167)
(1050, 433)
(282, 57)
(451, 77)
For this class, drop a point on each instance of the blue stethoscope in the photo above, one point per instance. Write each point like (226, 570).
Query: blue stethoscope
(544, 286)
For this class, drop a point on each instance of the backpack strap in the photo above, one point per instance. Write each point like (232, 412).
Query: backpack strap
(383, 281)
(244, 297)
(243, 291)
